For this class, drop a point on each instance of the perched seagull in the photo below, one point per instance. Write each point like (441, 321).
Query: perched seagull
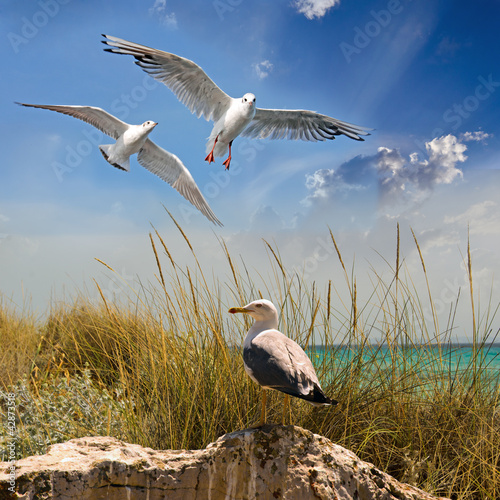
(232, 117)
(131, 139)
(276, 362)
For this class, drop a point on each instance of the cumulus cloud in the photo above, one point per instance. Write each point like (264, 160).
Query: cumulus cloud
(263, 69)
(478, 136)
(314, 8)
(326, 183)
(399, 178)
(415, 176)
(322, 184)
(159, 9)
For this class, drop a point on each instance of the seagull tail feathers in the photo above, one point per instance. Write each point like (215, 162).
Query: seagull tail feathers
(106, 150)
(318, 398)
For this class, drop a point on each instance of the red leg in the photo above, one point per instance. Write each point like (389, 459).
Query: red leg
(228, 161)
(210, 156)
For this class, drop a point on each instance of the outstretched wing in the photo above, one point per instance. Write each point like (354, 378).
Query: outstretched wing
(170, 168)
(183, 77)
(97, 117)
(300, 124)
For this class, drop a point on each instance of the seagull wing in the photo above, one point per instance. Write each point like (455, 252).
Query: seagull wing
(299, 124)
(170, 168)
(280, 363)
(183, 77)
(97, 117)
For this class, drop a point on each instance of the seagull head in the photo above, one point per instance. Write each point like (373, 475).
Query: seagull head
(248, 100)
(260, 310)
(149, 125)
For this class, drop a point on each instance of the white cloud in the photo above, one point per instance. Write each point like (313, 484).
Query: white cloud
(399, 179)
(481, 218)
(263, 69)
(169, 19)
(314, 8)
(416, 177)
(444, 154)
(326, 183)
(478, 136)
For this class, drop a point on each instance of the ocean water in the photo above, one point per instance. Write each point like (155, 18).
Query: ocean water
(451, 361)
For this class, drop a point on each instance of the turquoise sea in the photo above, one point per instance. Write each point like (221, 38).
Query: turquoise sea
(457, 361)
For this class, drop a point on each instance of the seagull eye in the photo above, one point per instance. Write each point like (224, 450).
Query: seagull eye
(258, 305)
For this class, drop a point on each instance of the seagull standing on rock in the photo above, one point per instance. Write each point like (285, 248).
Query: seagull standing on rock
(232, 117)
(275, 361)
(131, 139)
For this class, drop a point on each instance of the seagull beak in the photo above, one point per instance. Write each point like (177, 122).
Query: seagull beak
(235, 310)
(154, 125)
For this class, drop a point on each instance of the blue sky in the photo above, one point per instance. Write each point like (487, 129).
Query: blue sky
(424, 75)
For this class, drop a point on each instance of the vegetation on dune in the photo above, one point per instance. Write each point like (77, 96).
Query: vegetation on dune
(165, 371)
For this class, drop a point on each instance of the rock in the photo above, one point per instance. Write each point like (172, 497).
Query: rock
(272, 462)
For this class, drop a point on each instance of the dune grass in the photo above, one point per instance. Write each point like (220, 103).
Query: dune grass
(164, 369)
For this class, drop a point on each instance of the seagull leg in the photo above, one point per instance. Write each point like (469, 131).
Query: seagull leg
(262, 412)
(210, 156)
(286, 402)
(228, 161)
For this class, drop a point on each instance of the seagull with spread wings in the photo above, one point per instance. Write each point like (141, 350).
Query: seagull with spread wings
(232, 116)
(131, 139)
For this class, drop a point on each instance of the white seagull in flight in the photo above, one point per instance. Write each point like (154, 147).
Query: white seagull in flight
(131, 139)
(232, 117)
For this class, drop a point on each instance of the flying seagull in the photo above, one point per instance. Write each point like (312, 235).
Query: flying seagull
(275, 361)
(131, 139)
(232, 117)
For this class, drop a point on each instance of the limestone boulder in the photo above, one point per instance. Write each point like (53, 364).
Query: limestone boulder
(271, 462)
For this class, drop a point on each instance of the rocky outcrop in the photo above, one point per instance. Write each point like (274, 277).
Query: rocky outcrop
(267, 463)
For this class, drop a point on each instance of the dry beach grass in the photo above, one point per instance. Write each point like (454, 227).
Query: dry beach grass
(164, 370)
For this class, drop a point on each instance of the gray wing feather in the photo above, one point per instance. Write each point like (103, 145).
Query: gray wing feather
(170, 168)
(278, 362)
(183, 77)
(299, 124)
(96, 117)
